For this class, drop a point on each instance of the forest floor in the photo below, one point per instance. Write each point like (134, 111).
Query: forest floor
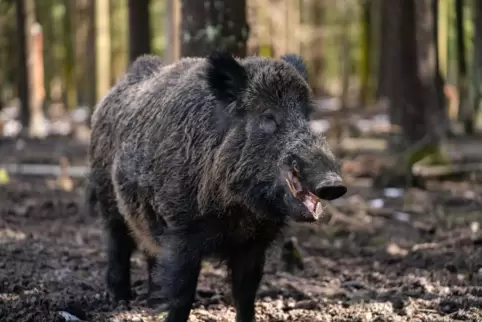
(386, 255)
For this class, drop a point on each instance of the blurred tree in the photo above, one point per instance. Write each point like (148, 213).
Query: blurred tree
(415, 102)
(388, 49)
(7, 48)
(464, 113)
(172, 21)
(316, 11)
(443, 34)
(119, 40)
(139, 29)
(102, 61)
(69, 34)
(84, 21)
(207, 25)
(365, 70)
(410, 70)
(45, 18)
(477, 70)
(24, 21)
(439, 79)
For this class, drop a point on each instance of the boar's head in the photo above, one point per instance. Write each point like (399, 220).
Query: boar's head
(269, 159)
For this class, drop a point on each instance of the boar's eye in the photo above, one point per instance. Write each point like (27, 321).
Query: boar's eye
(268, 123)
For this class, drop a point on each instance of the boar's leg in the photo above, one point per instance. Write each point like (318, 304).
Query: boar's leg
(151, 264)
(246, 273)
(120, 246)
(176, 275)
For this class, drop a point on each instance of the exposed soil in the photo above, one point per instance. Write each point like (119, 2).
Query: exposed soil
(418, 258)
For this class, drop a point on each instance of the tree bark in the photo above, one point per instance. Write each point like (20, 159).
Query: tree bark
(172, 31)
(316, 44)
(389, 48)
(477, 73)
(365, 68)
(69, 33)
(212, 24)
(102, 48)
(139, 29)
(464, 115)
(413, 93)
(23, 29)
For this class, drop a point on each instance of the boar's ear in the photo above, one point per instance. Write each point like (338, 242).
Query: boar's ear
(298, 63)
(226, 77)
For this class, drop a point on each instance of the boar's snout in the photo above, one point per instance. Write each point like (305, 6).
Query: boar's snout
(330, 190)
(311, 177)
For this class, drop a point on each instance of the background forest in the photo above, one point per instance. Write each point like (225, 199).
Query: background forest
(398, 85)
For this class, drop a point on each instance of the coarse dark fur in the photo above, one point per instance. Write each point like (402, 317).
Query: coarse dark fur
(187, 161)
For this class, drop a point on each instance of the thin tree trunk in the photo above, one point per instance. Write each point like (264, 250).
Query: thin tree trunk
(23, 28)
(388, 50)
(442, 34)
(465, 115)
(439, 80)
(365, 70)
(139, 29)
(173, 12)
(91, 56)
(102, 48)
(81, 32)
(477, 73)
(37, 89)
(69, 58)
(46, 20)
(316, 46)
(119, 45)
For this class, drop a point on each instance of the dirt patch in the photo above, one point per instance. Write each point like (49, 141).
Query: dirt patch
(420, 259)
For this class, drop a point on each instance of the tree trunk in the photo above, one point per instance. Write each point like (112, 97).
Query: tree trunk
(477, 73)
(365, 68)
(91, 57)
(46, 20)
(81, 33)
(388, 50)
(211, 24)
(172, 48)
(464, 115)
(102, 48)
(316, 46)
(69, 58)
(37, 126)
(413, 96)
(139, 29)
(443, 34)
(439, 80)
(119, 46)
(23, 37)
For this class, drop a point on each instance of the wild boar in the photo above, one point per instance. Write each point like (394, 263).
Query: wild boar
(206, 157)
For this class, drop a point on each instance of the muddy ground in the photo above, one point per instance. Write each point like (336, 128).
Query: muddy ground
(416, 257)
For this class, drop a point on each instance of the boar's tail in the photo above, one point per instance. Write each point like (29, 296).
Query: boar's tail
(90, 197)
(144, 67)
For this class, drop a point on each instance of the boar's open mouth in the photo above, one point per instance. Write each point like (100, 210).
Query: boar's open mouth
(312, 208)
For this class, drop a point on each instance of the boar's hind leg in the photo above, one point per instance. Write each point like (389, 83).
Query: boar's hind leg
(120, 246)
(177, 271)
(246, 273)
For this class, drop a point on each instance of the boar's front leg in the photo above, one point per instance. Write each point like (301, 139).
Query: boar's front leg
(246, 273)
(175, 277)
